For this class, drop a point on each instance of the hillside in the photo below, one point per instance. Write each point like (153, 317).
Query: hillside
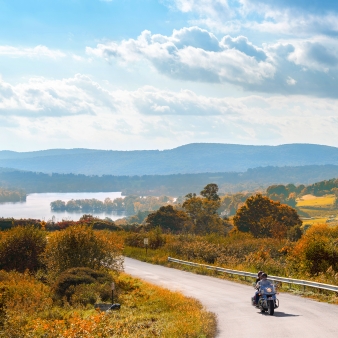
(173, 185)
(191, 158)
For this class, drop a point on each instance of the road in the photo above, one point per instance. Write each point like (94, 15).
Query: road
(296, 316)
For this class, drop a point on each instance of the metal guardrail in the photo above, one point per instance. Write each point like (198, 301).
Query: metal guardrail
(290, 281)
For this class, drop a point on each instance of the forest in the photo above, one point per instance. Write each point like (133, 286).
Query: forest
(170, 185)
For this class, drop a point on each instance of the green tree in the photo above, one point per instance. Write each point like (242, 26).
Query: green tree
(265, 218)
(167, 218)
(21, 248)
(210, 192)
(202, 211)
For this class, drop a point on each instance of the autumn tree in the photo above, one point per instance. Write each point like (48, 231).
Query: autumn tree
(202, 211)
(21, 248)
(167, 218)
(317, 250)
(210, 192)
(266, 218)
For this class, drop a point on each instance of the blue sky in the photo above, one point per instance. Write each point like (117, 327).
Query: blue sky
(146, 74)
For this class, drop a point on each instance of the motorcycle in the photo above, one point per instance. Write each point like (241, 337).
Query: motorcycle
(268, 301)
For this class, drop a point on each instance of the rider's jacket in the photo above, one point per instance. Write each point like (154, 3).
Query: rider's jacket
(263, 282)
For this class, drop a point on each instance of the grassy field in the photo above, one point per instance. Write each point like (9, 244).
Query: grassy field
(320, 209)
(146, 311)
(314, 201)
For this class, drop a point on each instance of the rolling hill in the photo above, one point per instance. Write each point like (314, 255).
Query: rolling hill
(187, 159)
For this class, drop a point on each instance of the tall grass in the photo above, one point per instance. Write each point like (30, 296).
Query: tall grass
(27, 310)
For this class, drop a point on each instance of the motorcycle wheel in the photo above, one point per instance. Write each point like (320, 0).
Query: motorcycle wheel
(271, 307)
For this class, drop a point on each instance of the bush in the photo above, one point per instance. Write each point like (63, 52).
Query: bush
(21, 298)
(83, 285)
(81, 246)
(317, 250)
(21, 249)
(156, 239)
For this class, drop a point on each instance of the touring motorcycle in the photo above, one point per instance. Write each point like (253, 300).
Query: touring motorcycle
(267, 298)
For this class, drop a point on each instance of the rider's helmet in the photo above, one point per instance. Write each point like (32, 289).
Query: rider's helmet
(260, 273)
(264, 275)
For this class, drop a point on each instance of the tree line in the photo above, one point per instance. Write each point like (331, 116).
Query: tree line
(172, 185)
(130, 204)
(10, 195)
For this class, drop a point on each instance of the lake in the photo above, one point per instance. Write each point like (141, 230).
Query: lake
(38, 206)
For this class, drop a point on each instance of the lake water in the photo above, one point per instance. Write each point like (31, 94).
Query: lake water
(38, 206)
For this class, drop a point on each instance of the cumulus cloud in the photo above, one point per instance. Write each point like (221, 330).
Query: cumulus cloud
(31, 52)
(194, 54)
(277, 17)
(43, 97)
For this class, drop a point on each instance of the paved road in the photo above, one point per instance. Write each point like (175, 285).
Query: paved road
(296, 316)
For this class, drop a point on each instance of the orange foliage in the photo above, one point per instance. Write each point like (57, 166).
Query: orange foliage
(317, 250)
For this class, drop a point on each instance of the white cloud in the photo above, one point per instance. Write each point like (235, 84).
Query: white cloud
(194, 54)
(34, 52)
(318, 53)
(290, 81)
(79, 112)
(43, 97)
(273, 17)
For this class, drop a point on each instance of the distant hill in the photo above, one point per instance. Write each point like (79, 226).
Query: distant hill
(191, 158)
(172, 185)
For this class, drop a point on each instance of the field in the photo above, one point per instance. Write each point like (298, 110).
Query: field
(314, 201)
(319, 209)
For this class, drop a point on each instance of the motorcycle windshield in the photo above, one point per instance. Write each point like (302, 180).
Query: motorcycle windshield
(269, 288)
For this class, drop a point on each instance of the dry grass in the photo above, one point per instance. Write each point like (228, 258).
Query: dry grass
(314, 221)
(146, 311)
(313, 201)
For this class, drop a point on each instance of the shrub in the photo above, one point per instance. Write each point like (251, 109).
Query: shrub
(317, 250)
(81, 246)
(155, 236)
(21, 248)
(21, 298)
(83, 285)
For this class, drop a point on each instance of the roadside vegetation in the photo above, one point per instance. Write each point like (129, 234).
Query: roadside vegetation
(263, 235)
(70, 265)
(52, 291)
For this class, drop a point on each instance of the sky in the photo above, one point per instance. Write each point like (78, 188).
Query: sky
(157, 74)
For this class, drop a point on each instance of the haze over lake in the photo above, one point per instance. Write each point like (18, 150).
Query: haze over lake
(38, 206)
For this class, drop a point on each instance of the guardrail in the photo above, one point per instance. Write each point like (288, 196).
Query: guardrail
(290, 281)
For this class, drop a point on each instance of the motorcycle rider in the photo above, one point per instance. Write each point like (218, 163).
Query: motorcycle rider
(259, 275)
(263, 282)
